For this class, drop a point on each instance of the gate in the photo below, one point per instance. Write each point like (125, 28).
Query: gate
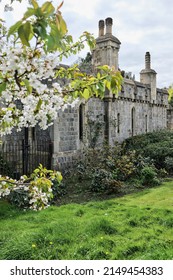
(23, 156)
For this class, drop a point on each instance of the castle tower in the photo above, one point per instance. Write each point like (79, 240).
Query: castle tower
(148, 76)
(107, 46)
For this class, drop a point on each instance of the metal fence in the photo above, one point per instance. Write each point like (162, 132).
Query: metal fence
(22, 157)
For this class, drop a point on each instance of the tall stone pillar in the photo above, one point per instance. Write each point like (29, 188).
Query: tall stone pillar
(148, 76)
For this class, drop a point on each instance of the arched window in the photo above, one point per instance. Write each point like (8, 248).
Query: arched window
(118, 123)
(146, 124)
(81, 121)
(133, 121)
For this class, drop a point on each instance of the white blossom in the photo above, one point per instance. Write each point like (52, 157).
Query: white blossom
(34, 69)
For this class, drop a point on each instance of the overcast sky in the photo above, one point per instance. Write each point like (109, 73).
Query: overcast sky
(140, 25)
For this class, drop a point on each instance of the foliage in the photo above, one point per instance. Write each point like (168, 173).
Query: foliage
(149, 176)
(85, 64)
(30, 54)
(139, 161)
(169, 164)
(104, 181)
(125, 166)
(107, 168)
(170, 98)
(34, 192)
(156, 146)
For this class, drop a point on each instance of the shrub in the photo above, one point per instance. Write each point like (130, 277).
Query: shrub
(58, 189)
(125, 166)
(156, 145)
(169, 164)
(20, 198)
(104, 181)
(149, 176)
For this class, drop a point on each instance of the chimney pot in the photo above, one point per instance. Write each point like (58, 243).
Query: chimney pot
(101, 27)
(147, 61)
(109, 23)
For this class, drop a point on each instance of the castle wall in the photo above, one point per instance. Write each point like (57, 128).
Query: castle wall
(128, 114)
(139, 108)
(170, 118)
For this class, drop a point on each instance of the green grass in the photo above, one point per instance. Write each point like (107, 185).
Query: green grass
(136, 226)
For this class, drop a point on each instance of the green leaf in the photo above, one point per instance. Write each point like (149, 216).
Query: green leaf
(56, 34)
(47, 8)
(98, 75)
(34, 4)
(14, 28)
(107, 84)
(40, 29)
(30, 12)
(39, 13)
(38, 106)
(2, 87)
(58, 176)
(51, 45)
(113, 83)
(25, 33)
(28, 86)
(86, 93)
(101, 86)
(61, 24)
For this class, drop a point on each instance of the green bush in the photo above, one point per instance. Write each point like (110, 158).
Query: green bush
(139, 161)
(58, 190)
(19, 198)
(149, 176)
(169, 164)
(157, 146)
(104, 181)
(125, 166)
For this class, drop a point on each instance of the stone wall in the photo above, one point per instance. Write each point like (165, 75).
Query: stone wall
(65, 138)
(139, 108)
(130, 113)
(170, 117)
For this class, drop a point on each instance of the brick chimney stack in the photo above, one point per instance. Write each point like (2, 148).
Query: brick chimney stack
(107, 46)
(147, 61)
(148, 76)
(101, 28)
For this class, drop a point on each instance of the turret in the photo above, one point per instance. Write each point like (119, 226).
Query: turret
(148, 76)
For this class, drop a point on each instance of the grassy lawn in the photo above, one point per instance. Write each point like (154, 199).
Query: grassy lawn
(135, 226)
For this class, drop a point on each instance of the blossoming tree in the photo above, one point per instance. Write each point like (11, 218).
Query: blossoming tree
(31, 51)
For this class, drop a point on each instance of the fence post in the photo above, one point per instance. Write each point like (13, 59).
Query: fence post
(25, 150)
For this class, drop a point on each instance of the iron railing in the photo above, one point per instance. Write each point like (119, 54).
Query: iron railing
(22, 157)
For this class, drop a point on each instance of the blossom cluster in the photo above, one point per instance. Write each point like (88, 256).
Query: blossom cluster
(37, 193)
(26, 98)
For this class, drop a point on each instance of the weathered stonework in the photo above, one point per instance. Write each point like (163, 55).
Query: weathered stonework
(140, 107)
